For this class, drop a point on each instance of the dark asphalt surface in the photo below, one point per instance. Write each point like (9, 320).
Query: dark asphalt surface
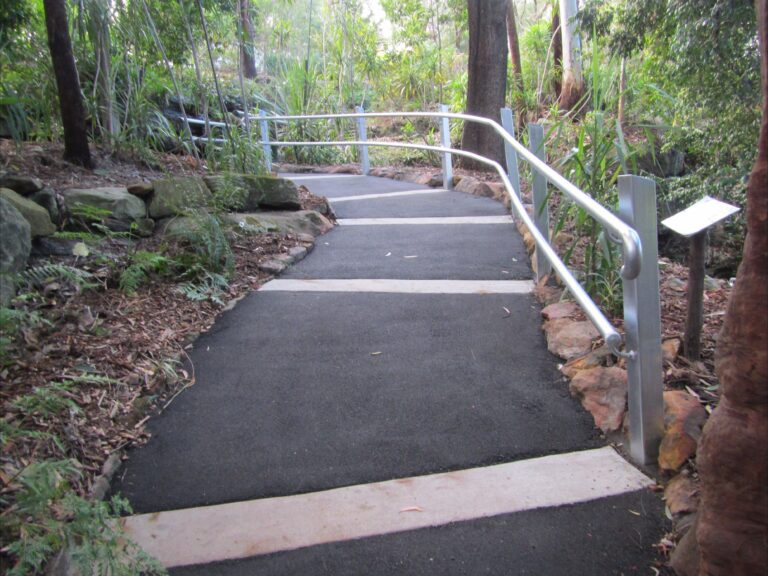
(290, 399)
(427, 205)
(418, 252)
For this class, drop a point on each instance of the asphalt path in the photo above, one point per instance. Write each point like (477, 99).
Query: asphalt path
(298, 392)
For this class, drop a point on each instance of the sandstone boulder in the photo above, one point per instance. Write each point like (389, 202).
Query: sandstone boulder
(681, 495)
(567, 339)
(14, 248)
(248, 192)
(176, 196)
(39, 220)
(603, 392)
(47, 199)
(120, 204)
(24, 185)
(684, 417)
(301, 222)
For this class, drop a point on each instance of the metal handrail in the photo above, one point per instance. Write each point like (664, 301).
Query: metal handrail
(631, 249)
(635, 228)
(611, 336)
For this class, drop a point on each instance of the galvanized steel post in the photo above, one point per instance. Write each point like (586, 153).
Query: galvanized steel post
(445, 142)
(508, 122)
(642, 323)
(365, 163)
(265, 141)
(540, 208)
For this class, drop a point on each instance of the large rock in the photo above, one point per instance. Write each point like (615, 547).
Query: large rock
(39, 220)
(24, 185)
(476, 187)
(47, 199)
(684, 417)
(301, 222)
(593, 359)
(568, 339)
(603, 392)
(248, 192)
(681, 495)
(176, 196)
(564, 309)
(14, 248)
(117, 201)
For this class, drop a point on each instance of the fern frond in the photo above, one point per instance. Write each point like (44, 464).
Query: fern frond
(142, 264)
(39, 276)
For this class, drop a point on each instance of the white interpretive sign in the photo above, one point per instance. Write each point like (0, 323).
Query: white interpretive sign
(699, 216)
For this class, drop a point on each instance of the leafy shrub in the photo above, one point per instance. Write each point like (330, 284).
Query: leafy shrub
(48, 516)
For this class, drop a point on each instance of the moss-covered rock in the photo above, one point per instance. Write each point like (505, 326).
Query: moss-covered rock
(39, 220)
(174, 196)
(248, 192)
(47, 199)
(117, 201)
(14, 249)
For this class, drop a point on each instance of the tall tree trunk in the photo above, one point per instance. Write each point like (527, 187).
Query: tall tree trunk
(514, 54)
(67, 83)
(733, 456)
(487, 77)
(557, 52)
(103, 42)
(573, 82)
(622, 92)
(247, 35)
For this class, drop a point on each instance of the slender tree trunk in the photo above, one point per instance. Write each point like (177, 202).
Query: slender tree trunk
(247, 35)
(98, 22)
(622, 90)
(68, 84)
(732, 528)
(202, 91)
(573, 82)
(487, 77)
(514, 54)
(169, 68)
(241, 80)
(557, 52)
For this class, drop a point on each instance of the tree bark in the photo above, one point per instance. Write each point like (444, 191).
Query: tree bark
(247, 35)
(514, 54)
(732, 528)
(67, 83)
(487, 77)
(573, 82)
(557, 52)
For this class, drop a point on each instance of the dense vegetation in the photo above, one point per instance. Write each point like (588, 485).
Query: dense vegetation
(679, 79)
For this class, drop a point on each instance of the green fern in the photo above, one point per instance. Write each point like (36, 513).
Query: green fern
(210, 244)
(48, 516)
(51, 399)
(40, 276)
(87, 237)
(142, 264)
(211, 287)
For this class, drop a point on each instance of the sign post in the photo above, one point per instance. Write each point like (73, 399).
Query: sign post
(693, 223)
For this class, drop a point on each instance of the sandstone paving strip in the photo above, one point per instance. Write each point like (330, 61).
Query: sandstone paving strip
(301, 393)
(265, 526)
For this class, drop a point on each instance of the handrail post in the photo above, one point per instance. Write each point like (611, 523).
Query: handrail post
(445, 142)
(365, 163)
(265, 140)
(642, 323)
(508, 122)
(540, 208)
